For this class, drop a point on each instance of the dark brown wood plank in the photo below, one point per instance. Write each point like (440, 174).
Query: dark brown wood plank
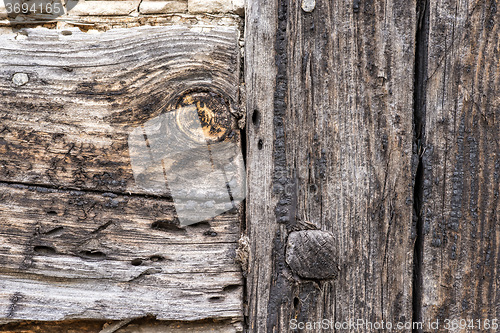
(461, 165)
(329, 97)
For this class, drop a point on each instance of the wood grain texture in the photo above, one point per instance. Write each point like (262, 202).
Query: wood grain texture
(96, 236)
(87, 92)
(78, 237)
(84, 326)
(332, 145)
(461, 164)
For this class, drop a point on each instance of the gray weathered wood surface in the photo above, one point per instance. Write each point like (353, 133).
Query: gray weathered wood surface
(87, 92)
(461, 164)
(383, 129)
(78, 237)
(330, 105)
(372, 123)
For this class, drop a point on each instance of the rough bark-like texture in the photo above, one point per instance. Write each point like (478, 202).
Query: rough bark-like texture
(330, 95)
(461, 165)
(78, 237)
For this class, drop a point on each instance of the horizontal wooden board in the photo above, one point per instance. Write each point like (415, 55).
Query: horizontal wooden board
(73, 250)
(69, 125)
(80, 236)
(68, 299)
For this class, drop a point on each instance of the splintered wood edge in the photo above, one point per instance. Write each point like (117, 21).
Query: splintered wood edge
(132, 325)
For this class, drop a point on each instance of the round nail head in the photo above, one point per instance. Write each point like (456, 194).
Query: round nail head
(20, 79)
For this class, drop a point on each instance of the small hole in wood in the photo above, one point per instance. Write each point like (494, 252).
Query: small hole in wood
(54, 232)
(231, 287)
(51, 212)
(136, 262)
(168, 225)
(295, 302)
(256, 118)
(216, 299)
(66, 33)
(92, 254)
(156, 258)
(44, 249)
(201, 224)
(260, 144)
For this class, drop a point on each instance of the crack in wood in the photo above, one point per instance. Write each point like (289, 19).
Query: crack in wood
(48, 188)
(102, 227)
(14, 300)
(419, 114)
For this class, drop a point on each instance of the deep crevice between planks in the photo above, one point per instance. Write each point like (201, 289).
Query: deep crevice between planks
(419, 113)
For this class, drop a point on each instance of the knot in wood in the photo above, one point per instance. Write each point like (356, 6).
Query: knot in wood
(213, 112)
(312, 254)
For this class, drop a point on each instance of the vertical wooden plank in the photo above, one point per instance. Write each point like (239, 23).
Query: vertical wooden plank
(461, 165)
(329, 98)
(260, 76)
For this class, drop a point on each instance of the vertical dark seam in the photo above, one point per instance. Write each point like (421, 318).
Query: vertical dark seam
(280, 289)
(419, 114)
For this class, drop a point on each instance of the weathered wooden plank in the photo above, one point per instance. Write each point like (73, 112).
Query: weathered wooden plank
(461, 165)
(143, 325)
(84, 118)
(63, 252)
(77, 234)
(25, 297)
(332, 146)
(86, 93)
